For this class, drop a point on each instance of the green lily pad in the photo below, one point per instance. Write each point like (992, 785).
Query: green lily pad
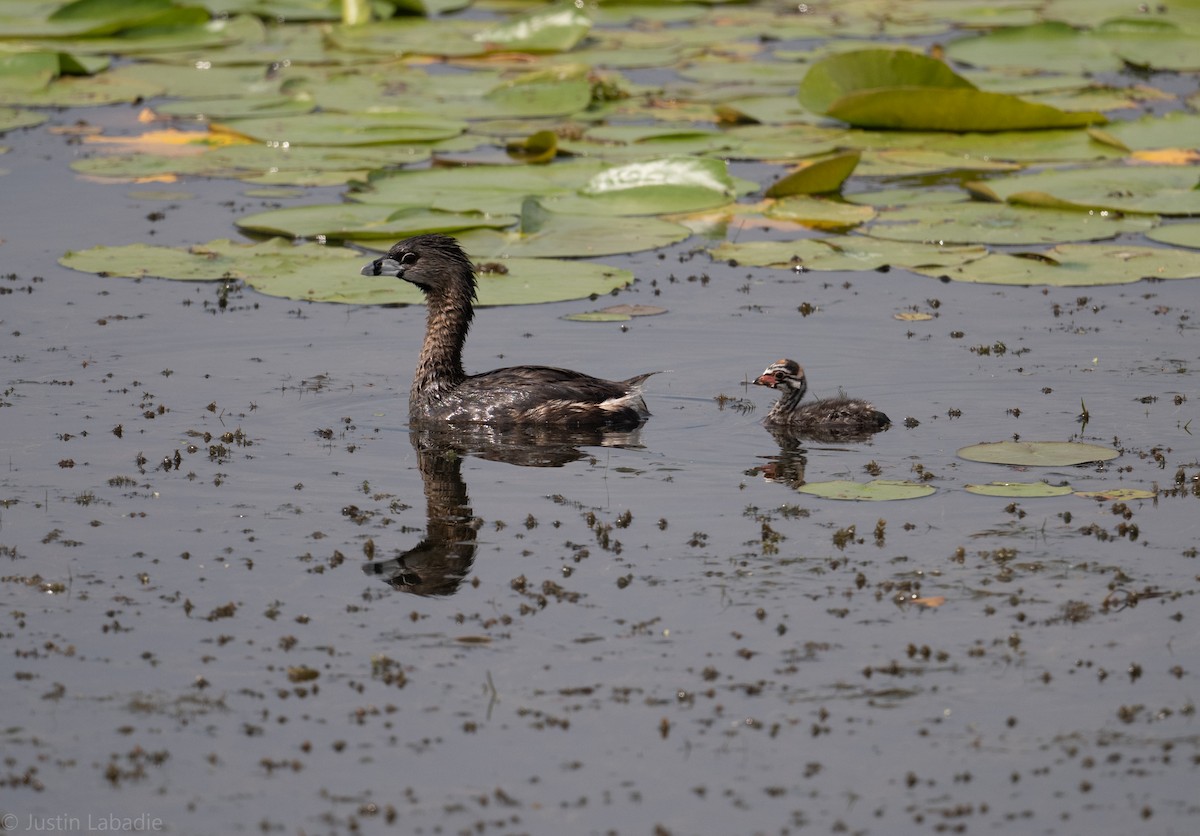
(1074, 265)
(544, 234)
(205, 81)
(1019, 490)
(190, 28)
(920, 109)
(1161, 190)
(324, 128)
(409, 36)
(13, 118)
(1179, 235)
(1045, 146)
(840, 75)
(817, 177)
(255, 163)
(910, 162)
(625, 143)
(991, 223)
(878, 490)
(1118, 494)
(559, 90)
(1169, 130)
(482, 188)
(430, 8)
(71, 91)
(213, 261)
(317, 273)
(902, 90)
(511, 281)
(895, 198)
(818, 213)
(1059, 46)
(1053, 46)
(1037, 453)
(654, 187)
(361, 221)
(556, 30)
(779, 109)
(784, 143)
(846, 252)
(238, 107)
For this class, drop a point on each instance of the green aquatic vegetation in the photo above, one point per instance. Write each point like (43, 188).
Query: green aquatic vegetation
(903, 90)
(318, 273)
(456, 122)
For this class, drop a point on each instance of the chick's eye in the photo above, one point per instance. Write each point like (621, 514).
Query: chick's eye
(408, 258)
(780, 376)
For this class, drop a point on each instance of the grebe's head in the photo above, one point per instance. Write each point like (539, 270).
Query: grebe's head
(432, 262)
(783, 374)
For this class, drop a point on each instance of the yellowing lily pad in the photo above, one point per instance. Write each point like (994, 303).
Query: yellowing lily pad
(538, 147)
(1019, 490)
(818, 213)
(878, 490)
(1037, 453)
(616, 313)
(817, 176)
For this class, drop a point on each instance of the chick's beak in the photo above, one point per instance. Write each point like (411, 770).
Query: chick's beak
(382, 267)
(766, 380)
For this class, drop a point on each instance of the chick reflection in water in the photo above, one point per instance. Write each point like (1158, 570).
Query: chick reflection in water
(439, 563)
(786, 468)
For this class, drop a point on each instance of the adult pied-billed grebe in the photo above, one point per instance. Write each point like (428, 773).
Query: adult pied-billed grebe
(443, 392)
(828, 417)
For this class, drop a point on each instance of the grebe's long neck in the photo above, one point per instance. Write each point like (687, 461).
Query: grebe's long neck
(440, 367)
(789, 401)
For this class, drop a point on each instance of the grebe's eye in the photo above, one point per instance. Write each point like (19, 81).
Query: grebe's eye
(780, 375)
(408, 258)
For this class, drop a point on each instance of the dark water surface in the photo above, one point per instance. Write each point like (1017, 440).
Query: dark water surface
(656, 636)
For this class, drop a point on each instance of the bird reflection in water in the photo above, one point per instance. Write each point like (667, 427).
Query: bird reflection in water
(438, 564)
(788, 466)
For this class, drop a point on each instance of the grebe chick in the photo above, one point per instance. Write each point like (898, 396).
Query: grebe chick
(830, 416)
(443, 392)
